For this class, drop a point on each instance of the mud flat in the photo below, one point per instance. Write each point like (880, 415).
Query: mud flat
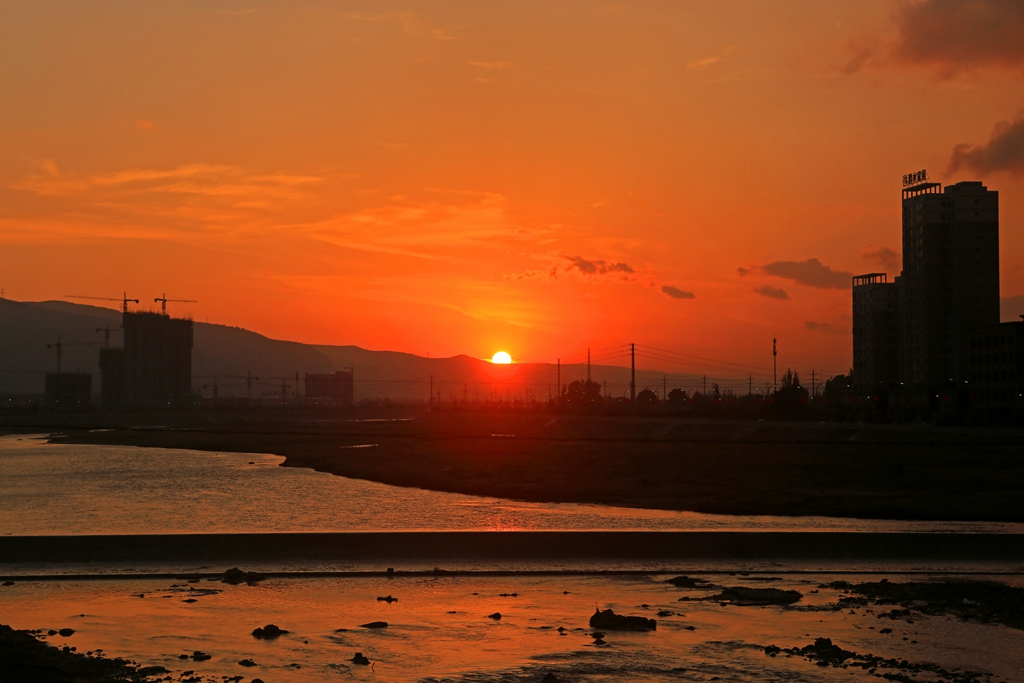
(444, 628)
(755, 468)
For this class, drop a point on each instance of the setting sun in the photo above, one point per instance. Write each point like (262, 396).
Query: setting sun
(501, 358)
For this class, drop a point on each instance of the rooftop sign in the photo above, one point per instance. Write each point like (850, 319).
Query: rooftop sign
(915, 178)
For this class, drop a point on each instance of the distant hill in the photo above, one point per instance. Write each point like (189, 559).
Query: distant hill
(225, 355)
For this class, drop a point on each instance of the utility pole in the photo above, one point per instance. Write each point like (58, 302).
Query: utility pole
(775, 368)
(431, 392)
(296, 384)
(813, 385)
(632, 374)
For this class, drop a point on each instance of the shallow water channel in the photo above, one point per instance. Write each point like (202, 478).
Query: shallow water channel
(90, 489)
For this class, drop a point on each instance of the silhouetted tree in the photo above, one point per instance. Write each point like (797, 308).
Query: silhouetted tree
(837, 396)
(790, 401)
(677, 397)
(646, 398)
(581, 393)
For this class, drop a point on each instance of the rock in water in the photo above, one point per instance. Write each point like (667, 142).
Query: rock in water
(268, 631)
(388, 599)
(611, 621)
(375, 624)
(741, 595)
(65, 632)
(201, 656)
(550, 678)
(496, 616)
(360, 658)
(246, 663)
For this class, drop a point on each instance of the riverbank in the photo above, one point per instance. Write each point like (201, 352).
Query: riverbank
(713, 467)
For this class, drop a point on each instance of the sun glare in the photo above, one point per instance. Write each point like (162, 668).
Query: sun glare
(501, 358)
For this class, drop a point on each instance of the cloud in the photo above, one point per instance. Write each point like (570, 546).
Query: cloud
(1004, 151)
(492, 65)
(677, 293)
(562, 264)
(701, 63)
(823, 327)
(956, 34)
(882, 256)
(772, 292)
(810, 272)
(742, 271)
(597, 267)
(229, 183)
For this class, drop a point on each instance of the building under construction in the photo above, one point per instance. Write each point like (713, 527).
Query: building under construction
(154, 369)
(337, 386)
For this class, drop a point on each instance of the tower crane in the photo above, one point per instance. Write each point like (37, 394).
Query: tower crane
(124, 300)
(106, 334)
(163, 302)
(59, 345)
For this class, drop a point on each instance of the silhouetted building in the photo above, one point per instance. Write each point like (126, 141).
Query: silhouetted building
(997, 370)
(68, 390)
(875, 333)
(112, 377)
(949, 285)
(157, 359)
(337, 386)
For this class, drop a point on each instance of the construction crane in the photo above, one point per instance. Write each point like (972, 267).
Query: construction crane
(216, 392)
(163, 302)
(59, 345)
(106, 334)
(124, 300)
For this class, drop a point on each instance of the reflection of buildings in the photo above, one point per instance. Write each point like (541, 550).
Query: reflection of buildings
(337, 386)
(155, 366)
(920, 336)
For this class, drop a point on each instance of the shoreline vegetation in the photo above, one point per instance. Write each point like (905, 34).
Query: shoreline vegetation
(738, 468)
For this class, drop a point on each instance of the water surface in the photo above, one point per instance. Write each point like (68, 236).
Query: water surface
(94, 489)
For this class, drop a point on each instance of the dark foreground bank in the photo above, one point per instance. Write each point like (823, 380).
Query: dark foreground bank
(26, 659)
(516, 546)
(712, 467)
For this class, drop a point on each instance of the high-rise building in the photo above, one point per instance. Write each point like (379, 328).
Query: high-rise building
(157, 359)
(112, 377)
(337, 386)
(914, 334)
(875, 333)
(949, 285)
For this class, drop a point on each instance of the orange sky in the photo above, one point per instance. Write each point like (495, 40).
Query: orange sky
(461, 177)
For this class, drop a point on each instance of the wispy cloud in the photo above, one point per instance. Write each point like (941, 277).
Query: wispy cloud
(948, 35)
(811, 272)
(676, 293)
(771, 292)
(882, 256)
(1004, 151)
(561, 264)
(823, 327)
(492, 65)
(229, 183)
